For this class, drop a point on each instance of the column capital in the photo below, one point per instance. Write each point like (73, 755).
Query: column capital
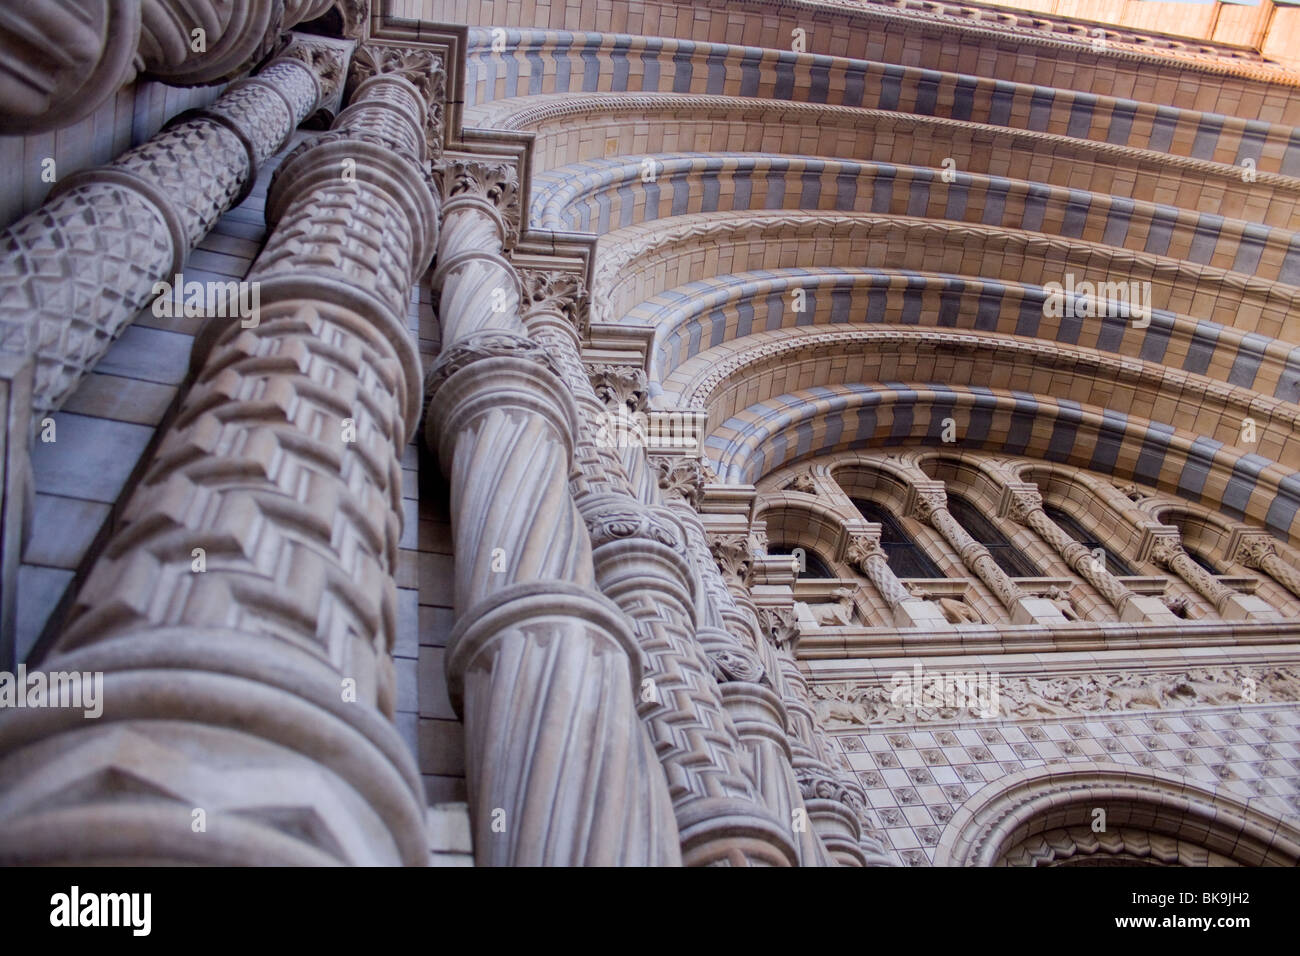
(494, 183)
(620, 385)
(734, 557)
(422, 67)
(559, 291)
(862, 548)
(1019, 501)
(680, 478)
(1252, 548)
(927, 501)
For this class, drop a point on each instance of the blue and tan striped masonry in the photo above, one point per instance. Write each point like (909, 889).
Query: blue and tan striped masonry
(576, 127)
(1250, 305)
(727, 378)
(691, 319)
(554, 61)
(600, 195)
(821, 420)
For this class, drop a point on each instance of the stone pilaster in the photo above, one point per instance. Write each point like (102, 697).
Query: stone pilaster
(543, 668)
(643, 563)
(66, 58)
(244, 613)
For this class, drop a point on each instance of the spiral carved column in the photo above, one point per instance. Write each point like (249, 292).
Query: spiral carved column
(542, 667)
(642, 564)
(244, 613)
(1168, 552)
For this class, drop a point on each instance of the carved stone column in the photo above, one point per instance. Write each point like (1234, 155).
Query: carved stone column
(543, 668)
(1257, 552)
(244, 613)
(643, 564)
(835, 804)
(865, 553)
(76, 271)
(1025, 506)
(1166, 549)
(63, 59)
(751, 693)
(930, 505)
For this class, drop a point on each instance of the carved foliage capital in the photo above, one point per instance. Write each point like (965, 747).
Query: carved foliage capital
(1252, 550)
(862, 548)
(1023, 504)
(1165, 549)
(780, 624)
(732, 554)
(494, 182)
(326, 60)
(420, 66)
(620, 385)
(680, 478)
(928, 503)
(564, 292)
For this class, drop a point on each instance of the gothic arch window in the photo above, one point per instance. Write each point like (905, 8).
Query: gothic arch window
(906, 558)
(813, 564)
(1114, 563)
(1006, 554)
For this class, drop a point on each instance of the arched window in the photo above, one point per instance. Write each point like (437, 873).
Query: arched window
(813, 564)
(1114, 563)
(984, 531)
(906, 559)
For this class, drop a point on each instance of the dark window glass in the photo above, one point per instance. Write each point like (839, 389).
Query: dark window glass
(1114, 563)
(906, 558)
(984, 531)
(814, 565)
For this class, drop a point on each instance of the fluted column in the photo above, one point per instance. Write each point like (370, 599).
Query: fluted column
(63, 59)
(543, 668)
(1257, 552)
(244, 613)
(76, 271)
(1167, 551)
(643, 564)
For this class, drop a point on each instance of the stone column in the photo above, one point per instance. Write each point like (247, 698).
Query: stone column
(243, 614)
(1025, 506)
(643, 564)
(66, 58)
(74, 273)
(543, 668)
(1166, 549)
(930, 504)
(865, 553)
(1257, 552)
(835, 804)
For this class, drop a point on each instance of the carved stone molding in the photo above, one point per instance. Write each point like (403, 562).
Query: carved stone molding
(484, 345)
(843, 705)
